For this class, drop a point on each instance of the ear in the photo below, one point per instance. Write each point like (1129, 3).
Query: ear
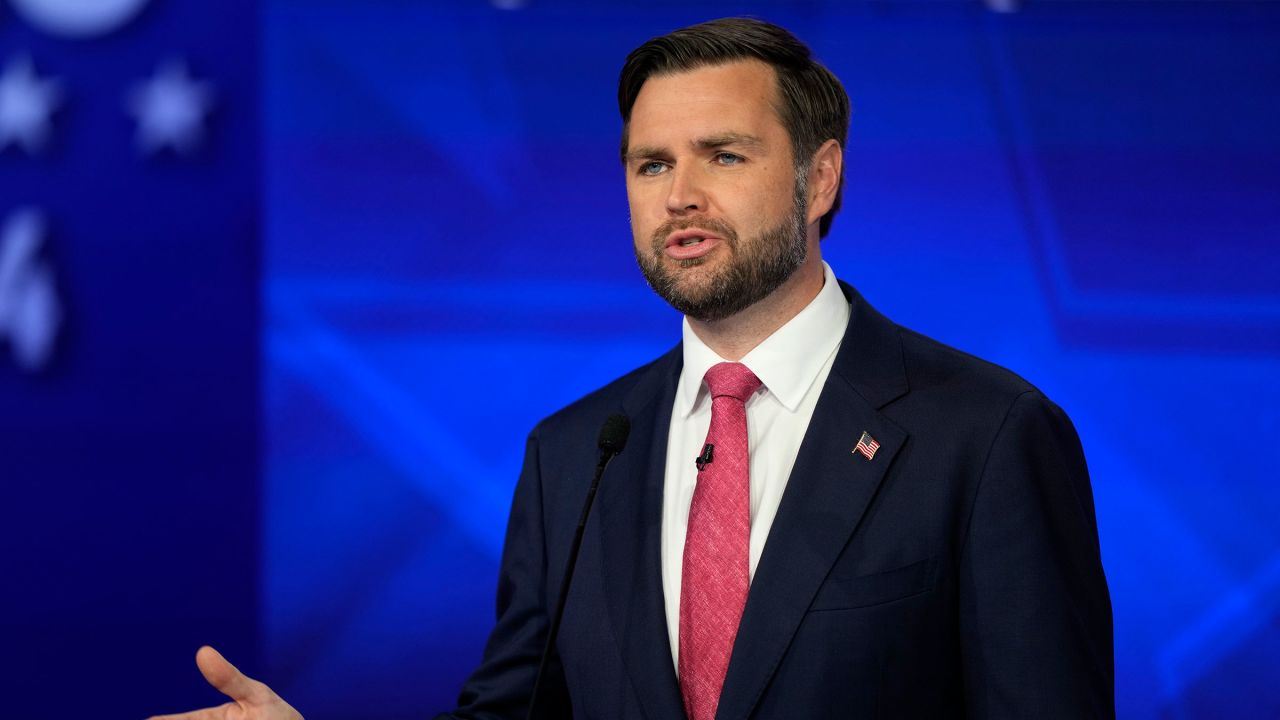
(824, 179)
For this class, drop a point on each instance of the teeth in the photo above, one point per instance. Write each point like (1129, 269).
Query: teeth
(690, 241)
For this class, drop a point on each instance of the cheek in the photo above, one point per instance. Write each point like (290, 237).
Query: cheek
(641, 228)
(638, 236)
(779, 195)
(752, 205)
(646, 216)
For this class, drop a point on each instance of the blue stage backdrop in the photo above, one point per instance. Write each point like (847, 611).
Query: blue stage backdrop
(1087, 193)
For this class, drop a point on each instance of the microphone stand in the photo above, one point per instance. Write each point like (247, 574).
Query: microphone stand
(613, 437)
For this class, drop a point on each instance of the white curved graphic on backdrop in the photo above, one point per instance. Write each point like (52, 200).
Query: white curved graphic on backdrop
(78, 18)
(30, 311)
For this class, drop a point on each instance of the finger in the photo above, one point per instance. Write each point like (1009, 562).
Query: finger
(231, 682)
(217, 713)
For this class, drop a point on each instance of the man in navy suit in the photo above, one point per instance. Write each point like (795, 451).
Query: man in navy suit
(952, 571)
(921, 540)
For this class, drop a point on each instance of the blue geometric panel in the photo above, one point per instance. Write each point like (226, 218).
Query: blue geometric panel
(1150, 171)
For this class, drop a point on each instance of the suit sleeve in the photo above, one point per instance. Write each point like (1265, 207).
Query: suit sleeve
(501, 687)
(1035, 613)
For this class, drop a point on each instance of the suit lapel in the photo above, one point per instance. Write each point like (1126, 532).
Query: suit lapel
(630, 507)
(828, 491)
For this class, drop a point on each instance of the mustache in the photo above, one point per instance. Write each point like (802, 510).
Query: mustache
(713, 226)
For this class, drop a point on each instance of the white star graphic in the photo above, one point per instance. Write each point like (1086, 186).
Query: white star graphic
(170, 108)
(26, 102)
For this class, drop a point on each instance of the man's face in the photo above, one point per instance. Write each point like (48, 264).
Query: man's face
(717, 211)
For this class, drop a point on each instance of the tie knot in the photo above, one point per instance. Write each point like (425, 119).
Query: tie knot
(732, 379)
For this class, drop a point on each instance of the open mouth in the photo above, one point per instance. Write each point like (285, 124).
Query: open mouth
(690, 244)
(689, 238)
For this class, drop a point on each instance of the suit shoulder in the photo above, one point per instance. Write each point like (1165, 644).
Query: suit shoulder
(588, 412)
(959, 400)
(937, 369)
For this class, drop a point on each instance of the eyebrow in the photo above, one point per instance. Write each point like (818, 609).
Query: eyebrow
(709, 142)
(729, 138)
(645, 152)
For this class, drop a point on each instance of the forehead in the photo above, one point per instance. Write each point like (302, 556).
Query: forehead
(737, 97)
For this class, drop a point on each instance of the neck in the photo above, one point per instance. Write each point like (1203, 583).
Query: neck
(735, 336)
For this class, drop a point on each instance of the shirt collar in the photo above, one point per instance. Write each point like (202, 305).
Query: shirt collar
(787, 362)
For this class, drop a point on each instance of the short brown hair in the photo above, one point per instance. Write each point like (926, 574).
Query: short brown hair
(814, 107)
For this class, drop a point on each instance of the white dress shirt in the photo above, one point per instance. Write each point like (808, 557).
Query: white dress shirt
(792, 364)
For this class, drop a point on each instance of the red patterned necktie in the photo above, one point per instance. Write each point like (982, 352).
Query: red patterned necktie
(716, 572)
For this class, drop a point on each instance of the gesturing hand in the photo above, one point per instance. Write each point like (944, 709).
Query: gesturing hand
(250, 699)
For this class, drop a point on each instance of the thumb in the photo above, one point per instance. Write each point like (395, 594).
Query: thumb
(226, 678)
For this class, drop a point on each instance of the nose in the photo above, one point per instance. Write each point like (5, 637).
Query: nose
(686, 193)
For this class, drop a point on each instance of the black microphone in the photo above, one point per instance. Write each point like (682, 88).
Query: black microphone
(613, 434)
(707, 457)
(613, 437)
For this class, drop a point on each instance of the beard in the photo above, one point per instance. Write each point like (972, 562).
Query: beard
(752, 271)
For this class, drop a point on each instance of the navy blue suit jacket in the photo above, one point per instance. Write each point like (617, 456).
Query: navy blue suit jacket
(957, 574)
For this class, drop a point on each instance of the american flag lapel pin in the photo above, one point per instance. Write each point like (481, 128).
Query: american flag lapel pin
(867, 445)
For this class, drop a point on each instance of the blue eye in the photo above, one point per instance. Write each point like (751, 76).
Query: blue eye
(652, 168)
(725, 158)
